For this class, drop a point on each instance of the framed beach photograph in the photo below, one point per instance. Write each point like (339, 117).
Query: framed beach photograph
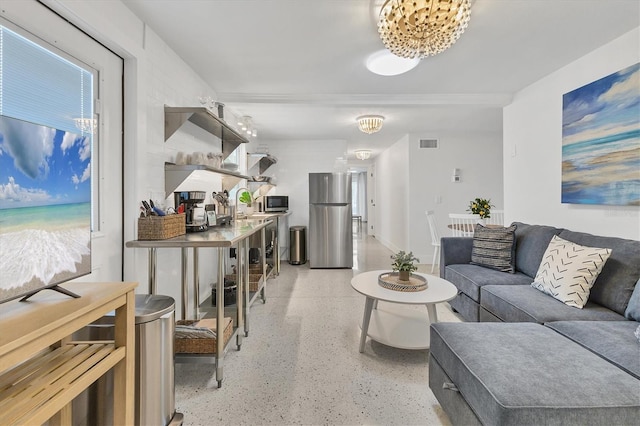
(601, 141)
(45, 207)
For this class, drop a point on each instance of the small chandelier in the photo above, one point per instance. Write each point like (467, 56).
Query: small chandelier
(245, 124)
(85, 125)
(363, 154)
(421, 28)
(370, 123)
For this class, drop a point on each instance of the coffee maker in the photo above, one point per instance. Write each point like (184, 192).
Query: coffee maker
(188, 201)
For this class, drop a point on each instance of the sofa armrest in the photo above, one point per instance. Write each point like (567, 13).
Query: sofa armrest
(454, 250)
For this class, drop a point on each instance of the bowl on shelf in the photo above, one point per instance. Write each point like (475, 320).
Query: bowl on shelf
(261, 178)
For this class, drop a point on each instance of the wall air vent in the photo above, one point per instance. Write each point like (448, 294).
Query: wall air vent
(428, 143)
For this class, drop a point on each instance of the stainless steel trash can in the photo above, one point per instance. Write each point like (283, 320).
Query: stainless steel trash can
(297, 245)
(154, 371)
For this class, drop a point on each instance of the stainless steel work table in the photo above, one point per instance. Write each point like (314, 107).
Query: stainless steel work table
(279, 220)
(218, 237)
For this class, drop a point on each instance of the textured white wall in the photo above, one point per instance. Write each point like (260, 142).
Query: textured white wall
(154, 76)
(479, 158)
(533, 148)
(296, 159)
(392, 196)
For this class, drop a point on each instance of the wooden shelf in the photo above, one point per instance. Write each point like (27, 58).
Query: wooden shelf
(41, 372)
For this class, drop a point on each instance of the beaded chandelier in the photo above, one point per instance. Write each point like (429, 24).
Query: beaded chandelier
(421, 28)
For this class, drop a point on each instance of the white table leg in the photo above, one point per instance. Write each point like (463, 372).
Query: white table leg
(433, 315)
(368, 306)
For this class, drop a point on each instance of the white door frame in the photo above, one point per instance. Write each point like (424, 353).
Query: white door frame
(371, 200)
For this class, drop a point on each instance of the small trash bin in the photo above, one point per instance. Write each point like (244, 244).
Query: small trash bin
(298, 245)
(154, 367)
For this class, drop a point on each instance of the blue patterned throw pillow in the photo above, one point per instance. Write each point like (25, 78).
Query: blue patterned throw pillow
(633, 308)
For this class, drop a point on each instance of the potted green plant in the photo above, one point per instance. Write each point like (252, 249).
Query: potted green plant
(404, 264)
(480, 206)
(246, 198)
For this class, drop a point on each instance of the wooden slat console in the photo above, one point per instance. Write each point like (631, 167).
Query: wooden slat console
(42, 371)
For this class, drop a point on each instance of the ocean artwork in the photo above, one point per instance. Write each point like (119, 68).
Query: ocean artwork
(601, 141)
(45, 206)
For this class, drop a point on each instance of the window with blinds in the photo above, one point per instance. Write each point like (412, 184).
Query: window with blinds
(40, 86)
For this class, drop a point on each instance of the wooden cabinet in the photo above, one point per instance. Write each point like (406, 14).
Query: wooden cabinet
(42, 370)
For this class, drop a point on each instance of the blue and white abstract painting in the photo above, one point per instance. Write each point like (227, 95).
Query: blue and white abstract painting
(601, 141)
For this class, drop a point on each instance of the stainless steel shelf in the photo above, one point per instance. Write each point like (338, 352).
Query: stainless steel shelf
(264, 162)
(175, 174)
(175, 117)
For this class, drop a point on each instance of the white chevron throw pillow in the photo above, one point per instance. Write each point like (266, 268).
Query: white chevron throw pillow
(568, 271)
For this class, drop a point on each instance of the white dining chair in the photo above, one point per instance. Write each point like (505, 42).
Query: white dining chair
(435, 238)
(462, 224)
(497, 218)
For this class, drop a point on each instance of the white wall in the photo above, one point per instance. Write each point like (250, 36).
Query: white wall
(479, 159)
(533, 148)
(392, 198)
(296, 159)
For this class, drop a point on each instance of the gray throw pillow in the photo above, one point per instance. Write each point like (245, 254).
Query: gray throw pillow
(633, 308)
(494, 248)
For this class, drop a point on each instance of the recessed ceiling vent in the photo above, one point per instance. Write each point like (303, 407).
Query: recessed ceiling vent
(428, 143)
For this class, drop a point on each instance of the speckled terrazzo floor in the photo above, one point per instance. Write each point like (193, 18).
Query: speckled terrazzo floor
(301, 365)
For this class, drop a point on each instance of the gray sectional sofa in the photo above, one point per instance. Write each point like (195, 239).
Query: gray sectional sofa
(532, 359)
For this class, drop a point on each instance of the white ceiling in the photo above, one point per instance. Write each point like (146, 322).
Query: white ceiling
(298, 67)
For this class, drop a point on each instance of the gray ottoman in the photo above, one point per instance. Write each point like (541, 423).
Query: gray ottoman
(524, 373)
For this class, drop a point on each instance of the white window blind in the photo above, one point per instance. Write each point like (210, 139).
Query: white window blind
(40, 86)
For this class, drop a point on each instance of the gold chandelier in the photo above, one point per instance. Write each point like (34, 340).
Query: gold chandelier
(421, 28)
(363, 154)
(370, 123)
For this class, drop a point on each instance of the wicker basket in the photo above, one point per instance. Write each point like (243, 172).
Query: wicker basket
(161, 227)
(205, 345)
(254, 280)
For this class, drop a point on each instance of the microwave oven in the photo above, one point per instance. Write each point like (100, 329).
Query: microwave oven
(276, 203)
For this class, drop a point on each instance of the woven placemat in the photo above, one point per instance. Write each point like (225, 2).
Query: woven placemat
(391, 281)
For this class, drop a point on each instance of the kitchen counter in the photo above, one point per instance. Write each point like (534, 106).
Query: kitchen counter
(237, 234)
(281, 232)
(217, 236)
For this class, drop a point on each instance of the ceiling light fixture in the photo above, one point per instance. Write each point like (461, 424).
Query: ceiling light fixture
(85, 125)
(363, 154)
(421, 28)
(386, 63)
(370, 123)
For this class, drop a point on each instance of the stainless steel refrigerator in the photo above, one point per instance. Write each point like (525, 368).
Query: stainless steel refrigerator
(330, 234)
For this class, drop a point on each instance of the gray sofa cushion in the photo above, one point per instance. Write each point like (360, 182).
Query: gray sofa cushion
(469, 278)
(517, 303)
(633, 308)
(615, 283)
(518, 374)
(531, 242)
(466, 307)
(612, 340)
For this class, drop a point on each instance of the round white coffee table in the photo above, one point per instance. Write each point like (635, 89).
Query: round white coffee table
(393, 324)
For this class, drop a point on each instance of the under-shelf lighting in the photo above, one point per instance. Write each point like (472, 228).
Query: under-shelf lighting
(246, 125)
